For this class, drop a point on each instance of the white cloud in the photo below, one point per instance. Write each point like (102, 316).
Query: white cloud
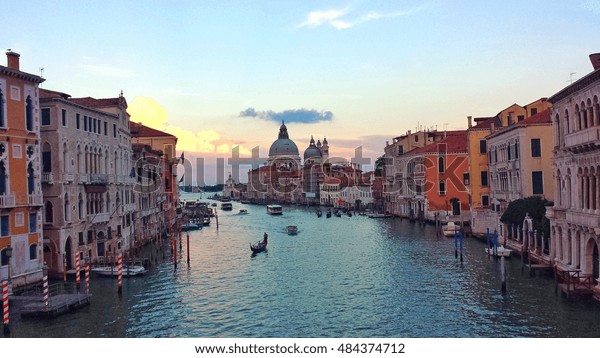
(337, 18)
(592, 5)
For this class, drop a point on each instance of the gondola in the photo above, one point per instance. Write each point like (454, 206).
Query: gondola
(259, 246)
(328, 214)
(319, 213)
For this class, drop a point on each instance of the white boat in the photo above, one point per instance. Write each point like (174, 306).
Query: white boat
(450, 228)
(274, 210)
(379, 216)
(113, 270)
(498, 252)
(243, 212)
(292, 229)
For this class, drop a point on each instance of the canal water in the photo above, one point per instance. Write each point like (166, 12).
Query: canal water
(339, 277)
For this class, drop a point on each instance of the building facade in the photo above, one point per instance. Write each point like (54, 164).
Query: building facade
(575, 216)
(21, 257)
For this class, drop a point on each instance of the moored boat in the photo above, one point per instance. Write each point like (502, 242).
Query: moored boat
(190, 226)
(450, 228)
(499, 251)
(134, 270)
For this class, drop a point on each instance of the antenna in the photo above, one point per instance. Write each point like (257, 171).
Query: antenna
(42, 72)
(570, 80)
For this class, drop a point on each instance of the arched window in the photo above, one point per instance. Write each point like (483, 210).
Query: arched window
(80, 207)
(67, 209)
(29, 114)
(46, 158)
(441, 165)
(49, 213)
(65, 158)
(2, 120)
(30, 179)
(3, 177)
(78, 159)
(567, 122)
(33, 252)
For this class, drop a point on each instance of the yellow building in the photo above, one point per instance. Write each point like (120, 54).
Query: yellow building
(21, 257)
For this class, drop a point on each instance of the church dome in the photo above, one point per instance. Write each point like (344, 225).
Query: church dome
(312, 151)
(283, 146)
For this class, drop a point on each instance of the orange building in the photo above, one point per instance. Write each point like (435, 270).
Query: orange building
(21, 257)
(446, 170)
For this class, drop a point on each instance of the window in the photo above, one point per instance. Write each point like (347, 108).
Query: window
(4, 225)
(441, 165)
(85, 123)
(533, 111)
(3, 177)
(517, 150)
(466, 178)
(482, 146)
(77, 121)
(49, 213)
(536, 148)
(30, 179)
(33, 252)
(2, 121)
(45, 116)
(64, 117)
(114, 130)
(29, 114)
(3, 258)
(509, 152)
(94, 125)
(537, 183)
(520, 118)
(105, 128)
(46, 158)
(484, 178)
(81, 242)
(32, 222)
(442, 187)
(485, 200)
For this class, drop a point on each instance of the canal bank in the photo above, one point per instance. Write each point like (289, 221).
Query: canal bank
(338, 277)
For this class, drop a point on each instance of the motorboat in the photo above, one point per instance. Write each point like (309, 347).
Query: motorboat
(292, 229)
(450, 228)
(128, 270)
(226, 206)
(190, 226)
(379, 216)
(499, 251)
(274, 209)
(243, 212)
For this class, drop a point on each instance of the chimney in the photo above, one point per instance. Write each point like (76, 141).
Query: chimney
(493, 125)
(12, 60)
(595, 58)
(470, 119)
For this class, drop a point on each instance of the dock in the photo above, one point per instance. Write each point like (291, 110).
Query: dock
(62, 298)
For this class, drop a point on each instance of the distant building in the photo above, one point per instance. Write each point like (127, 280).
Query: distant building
(20, 175)
(575, 216)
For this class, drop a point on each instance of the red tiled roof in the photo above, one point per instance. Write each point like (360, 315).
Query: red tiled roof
(101, 102)
(486, 123)
(140, 130)
(332, 181)
(539, 118)
(44, 93)
(454, 142)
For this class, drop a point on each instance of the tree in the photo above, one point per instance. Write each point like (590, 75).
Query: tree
(535, 207)
(380, 164)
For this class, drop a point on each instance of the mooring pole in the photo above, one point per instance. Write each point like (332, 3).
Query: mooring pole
(188, 248)
(455, 243)
(461, 245)
(120, 274)
(503, 274)
(5, 307)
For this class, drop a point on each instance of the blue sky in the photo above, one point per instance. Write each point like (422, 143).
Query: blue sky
(379, 67)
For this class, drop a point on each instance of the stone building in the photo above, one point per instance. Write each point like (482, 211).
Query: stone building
(575, 216)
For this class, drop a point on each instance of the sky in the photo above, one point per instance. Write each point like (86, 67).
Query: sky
(224, 74)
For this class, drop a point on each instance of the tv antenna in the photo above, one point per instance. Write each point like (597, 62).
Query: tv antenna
(571, 77)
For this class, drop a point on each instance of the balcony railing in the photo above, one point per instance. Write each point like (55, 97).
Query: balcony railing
(48, 178)
(35, 199)
(98, 178)
(98, 218)
(83, 178)
(68, 177)
(582, 138)
(577, 217)
(7, 201)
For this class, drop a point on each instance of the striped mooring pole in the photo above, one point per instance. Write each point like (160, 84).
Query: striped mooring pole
(120, 273)
(5, 306)
(45, 286)
(77, 275)
(87, 278)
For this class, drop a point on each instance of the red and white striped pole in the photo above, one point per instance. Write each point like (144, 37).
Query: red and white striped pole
(5, 306)
(45, 284)
(77, 275)
(87, 278)
(120, 273)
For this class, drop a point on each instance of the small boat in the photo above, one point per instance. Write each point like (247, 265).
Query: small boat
(113, 271)
(190, 226)
(206, 221)
(292, 229)
(243, 212)
(450, 228)
(498, 252)
(274, 210)
(245, 202)
(379, 216)
(319, 213)
(213, 204)
(349, 213)
(226, 206)
(337, 213)
(259, 246)
(328, 214)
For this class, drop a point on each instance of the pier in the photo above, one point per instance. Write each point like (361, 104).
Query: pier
(62, 298)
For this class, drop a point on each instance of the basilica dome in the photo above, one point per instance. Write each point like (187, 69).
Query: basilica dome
(283, 146)
(312, 151)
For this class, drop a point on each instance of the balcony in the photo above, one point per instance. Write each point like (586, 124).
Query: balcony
(7, 201)
(98, 178)
(583, 140)
(35, 199)
(98, 218)
(588, 219)
(47, 178)
(68, 177)
(83, 178)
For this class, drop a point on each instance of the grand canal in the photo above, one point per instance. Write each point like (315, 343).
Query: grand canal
(339, 277)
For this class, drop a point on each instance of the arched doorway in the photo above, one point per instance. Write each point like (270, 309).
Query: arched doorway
(68, 254)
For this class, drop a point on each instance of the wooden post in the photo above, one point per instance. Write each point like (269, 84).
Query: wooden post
(461, 246)
(174, 248)
(455, 243)
(502, 273)
(217, 218)
(188, 248)
(5, 307)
